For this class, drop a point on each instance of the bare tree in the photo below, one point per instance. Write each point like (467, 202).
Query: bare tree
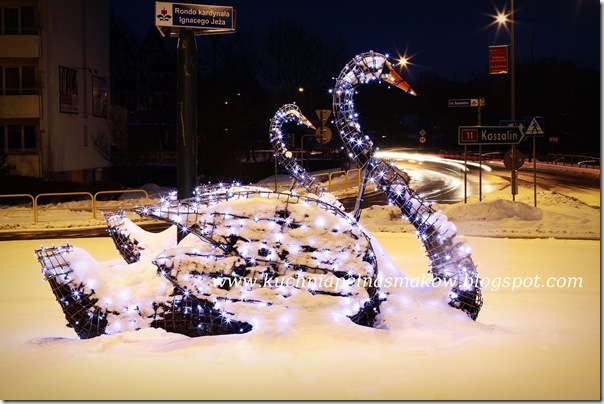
(295, 58)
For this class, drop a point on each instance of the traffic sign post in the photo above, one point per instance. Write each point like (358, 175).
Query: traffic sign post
(323, 134)
(185, 20)
(422, 138)
(207, 19)
(490, 135)
(467, 102)
(477, 103)
(535, 127)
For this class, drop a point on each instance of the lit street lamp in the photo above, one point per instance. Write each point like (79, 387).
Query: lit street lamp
(501, 19)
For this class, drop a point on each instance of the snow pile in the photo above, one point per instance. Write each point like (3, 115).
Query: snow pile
(494, 211)
(556, 215)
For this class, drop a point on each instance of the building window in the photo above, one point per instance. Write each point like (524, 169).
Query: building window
(18, 138)
(18, 21)
(14, 138)
(29, 137)
(18, 80)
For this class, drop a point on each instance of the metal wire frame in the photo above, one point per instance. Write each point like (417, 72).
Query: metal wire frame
(449, 259)
(126, 245)
(192, 216)
(183, 313)
(79, 306)
(291, 113)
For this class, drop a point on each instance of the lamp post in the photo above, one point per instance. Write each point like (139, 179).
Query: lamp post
(502, 19)
(531, 107)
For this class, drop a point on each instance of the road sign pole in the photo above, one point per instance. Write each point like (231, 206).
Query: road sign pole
(186, 115)
(173, 19)
(480, 173)
(465, 174)
(479, 154)
(534, 172)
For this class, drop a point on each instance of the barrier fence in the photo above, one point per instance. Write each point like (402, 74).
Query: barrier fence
(37, 207)
(93, 207)
(347, 178)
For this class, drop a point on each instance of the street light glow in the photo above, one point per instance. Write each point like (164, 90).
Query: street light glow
(502, 18)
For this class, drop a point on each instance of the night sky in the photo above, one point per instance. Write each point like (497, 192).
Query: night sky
(450, 38)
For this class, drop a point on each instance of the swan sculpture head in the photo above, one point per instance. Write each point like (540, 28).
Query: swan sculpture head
(369, 66)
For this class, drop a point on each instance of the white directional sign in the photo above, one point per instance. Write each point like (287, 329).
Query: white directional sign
(467, 102)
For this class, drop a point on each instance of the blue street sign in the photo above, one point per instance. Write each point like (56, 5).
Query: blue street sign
(510, 122)
(534, 126)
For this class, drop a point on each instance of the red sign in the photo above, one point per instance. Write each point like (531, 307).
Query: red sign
(469, 135)
(498, 59)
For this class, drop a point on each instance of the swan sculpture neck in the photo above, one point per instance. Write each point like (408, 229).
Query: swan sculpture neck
(450, 258)
(362, 69)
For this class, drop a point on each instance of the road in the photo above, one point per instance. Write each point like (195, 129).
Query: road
(437, 180)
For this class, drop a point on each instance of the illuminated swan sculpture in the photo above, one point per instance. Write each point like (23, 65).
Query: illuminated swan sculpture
(292, 113)
(450, 256)
(249, 248)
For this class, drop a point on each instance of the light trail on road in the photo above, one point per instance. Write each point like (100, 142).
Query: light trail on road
(440, 179)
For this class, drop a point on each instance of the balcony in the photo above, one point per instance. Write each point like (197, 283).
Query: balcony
(20, 106)
(19, 46)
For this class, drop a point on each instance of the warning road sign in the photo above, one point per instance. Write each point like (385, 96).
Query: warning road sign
(535, 126)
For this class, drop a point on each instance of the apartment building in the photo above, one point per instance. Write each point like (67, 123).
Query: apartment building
(54, 87)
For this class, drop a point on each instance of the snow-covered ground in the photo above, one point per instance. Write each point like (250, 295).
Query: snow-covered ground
(531, 340)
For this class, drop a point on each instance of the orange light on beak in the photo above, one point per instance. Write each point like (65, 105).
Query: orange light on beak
(395, 79)
(306, 122)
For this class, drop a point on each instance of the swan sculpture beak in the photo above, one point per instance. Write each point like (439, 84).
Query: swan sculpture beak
(392, 77)
(306, 122)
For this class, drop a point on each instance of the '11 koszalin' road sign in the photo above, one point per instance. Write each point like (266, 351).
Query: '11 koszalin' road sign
(489, 135)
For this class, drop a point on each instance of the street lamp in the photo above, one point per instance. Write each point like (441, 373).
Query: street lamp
(502, 19)
(531, 112)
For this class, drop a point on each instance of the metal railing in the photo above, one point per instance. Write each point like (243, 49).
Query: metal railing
(33, 202)
(92, 207)
(346, 173)
(573, 160)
